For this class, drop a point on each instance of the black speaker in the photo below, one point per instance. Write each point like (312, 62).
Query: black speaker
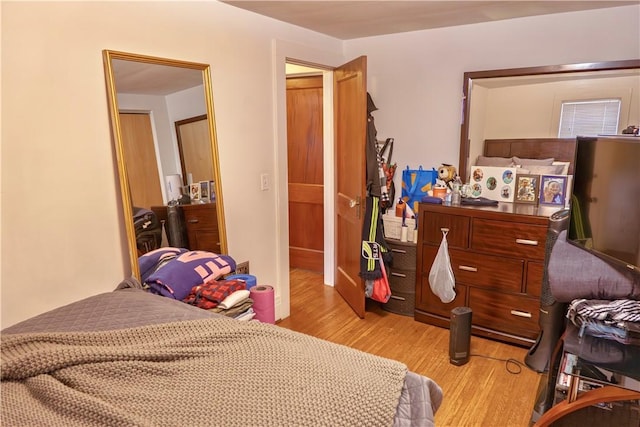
(552, 312)
(460, 336)
(177, 227)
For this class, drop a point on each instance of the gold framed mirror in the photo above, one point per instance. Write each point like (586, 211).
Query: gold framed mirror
(149, 98)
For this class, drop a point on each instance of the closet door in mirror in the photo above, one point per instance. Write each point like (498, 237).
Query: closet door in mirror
(140, 156)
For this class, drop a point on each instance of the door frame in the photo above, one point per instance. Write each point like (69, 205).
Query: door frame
(291, 52)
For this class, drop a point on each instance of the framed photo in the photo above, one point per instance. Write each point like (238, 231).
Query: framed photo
(553, 189)
(194, 191)
(204, 190)
(212, 191)
(527, 188)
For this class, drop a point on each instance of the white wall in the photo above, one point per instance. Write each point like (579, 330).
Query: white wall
(416, 78)
(62, 234)
(62, 237)
(537, 113)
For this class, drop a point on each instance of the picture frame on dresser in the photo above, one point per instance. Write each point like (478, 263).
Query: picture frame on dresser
(553, 189)
(194, 191)
(527, 189)
(204, 190)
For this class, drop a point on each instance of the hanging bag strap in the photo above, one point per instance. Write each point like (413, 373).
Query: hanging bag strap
(387, 144)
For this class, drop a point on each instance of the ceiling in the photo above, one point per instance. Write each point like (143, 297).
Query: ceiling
(354, 19)
(141, 78)
(347, 20)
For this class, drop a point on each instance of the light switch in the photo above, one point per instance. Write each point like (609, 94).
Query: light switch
(264, 182)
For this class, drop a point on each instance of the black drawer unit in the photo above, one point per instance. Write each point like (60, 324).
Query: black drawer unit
(402, 278)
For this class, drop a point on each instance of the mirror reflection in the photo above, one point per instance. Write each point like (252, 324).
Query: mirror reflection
(528, 103)
(164, 135)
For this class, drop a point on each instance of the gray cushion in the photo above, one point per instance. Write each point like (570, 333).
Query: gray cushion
(575, 273)
(494, 161)
(526, 162)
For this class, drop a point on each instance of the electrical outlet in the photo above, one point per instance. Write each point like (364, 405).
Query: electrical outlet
(242, 267)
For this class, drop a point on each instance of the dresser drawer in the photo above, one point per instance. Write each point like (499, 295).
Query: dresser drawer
(402, 280)
(202, 227)
(513, 314)
(401, 303)
(431, 303)
(514, 239)
(204, 240)
(488, 271)
(404, 254)
(201, 217)
(432, 223)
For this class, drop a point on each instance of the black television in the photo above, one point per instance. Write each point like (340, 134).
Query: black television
(605, 202)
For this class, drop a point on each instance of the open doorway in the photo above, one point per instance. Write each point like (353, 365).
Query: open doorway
(344, 111)
(305, 167)
(329, 62)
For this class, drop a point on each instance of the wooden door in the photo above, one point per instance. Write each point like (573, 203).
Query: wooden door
(350, 112)
(195, 148)
(305, 173)
(140, 159)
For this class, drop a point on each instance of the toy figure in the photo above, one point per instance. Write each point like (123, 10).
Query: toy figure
(449, 176)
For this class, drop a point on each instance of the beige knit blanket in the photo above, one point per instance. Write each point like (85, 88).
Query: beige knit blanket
(213, 372)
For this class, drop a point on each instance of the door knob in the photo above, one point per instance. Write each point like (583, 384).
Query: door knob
(355, 203)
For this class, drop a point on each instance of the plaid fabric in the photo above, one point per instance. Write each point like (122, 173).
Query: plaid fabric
(209, 294)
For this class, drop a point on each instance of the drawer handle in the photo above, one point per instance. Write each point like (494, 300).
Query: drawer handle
(398, 298)
(398, 274)
(527, 242)
(521, 313)
(467, 268)
(400, 251)
(193, 221)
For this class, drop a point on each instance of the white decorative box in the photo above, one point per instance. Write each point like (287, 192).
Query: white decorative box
(494, 183)
(393, 225)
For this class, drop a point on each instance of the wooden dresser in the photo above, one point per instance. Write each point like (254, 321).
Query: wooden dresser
(201, 223)
(497, 258)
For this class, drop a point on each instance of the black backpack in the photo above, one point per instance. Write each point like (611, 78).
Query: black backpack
(148, 230)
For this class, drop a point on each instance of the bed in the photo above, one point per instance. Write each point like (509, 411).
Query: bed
(130, 357)
(559, 149)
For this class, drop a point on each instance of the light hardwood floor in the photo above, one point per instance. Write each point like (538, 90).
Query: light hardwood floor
(479, 393)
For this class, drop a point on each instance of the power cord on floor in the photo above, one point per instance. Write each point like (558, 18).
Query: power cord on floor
(508, 362)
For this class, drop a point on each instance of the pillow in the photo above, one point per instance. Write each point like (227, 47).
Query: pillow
(176, 278)
(541, 170)
(565, 167)
(494, 161)
(538, 162)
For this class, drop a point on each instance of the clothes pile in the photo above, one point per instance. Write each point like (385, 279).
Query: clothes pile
(227, 297)
(196, 278)
(617, 320)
